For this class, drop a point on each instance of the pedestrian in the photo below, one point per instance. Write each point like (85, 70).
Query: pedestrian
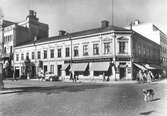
(104, 79)
(75, 78)
(140, 76)
(148, 77)
(145, 76)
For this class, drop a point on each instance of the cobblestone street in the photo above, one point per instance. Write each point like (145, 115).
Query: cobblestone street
(35, 98)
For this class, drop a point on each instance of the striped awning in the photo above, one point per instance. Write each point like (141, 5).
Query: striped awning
(140, 66)
(79, 67)
(100, 66)
(65, 66)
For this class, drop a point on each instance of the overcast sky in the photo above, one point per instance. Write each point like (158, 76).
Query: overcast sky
(76, 15)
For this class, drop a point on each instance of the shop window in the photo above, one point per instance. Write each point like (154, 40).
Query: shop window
(52, 68)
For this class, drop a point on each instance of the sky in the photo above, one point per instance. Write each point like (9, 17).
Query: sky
(77, 15)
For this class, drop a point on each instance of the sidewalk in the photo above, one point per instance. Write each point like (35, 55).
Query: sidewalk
(104, 82)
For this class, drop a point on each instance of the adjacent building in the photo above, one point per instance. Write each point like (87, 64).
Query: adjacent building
(153, 33)
(108, 51)
(13, 34)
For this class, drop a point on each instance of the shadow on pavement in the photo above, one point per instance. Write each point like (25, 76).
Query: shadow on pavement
(51, 89)
(147, 113)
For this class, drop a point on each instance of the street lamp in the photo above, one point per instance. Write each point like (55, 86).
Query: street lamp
(114, 57)
(35, 55)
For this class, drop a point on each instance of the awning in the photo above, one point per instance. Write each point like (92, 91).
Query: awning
(149, 67)
(100, 66)
(65, 66)
(140, 66)
(79, 67)
(154, 66)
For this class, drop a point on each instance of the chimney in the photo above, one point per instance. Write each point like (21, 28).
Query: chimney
(136, 22)
(62, 32)
(104, 24)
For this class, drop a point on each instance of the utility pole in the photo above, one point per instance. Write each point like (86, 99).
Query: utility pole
(1, 52)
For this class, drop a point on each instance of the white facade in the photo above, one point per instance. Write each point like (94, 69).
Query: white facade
(85, 54)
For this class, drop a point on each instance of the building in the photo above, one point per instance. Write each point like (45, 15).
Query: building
(153, 33)
(108, 51)
(13, 34)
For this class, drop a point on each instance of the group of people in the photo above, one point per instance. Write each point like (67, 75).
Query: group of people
(145, 76)
(74, 77)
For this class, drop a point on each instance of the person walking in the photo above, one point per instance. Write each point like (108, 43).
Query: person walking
(148, 77)
(140, 76)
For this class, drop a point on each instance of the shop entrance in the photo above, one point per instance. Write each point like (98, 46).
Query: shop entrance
(59, 70)
(122, 73)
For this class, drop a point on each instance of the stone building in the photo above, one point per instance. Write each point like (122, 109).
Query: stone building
(13, 34)
(108, 51)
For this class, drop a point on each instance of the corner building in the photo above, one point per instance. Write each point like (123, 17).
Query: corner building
(109, 50)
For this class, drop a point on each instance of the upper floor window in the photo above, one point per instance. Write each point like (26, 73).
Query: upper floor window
(22, 56)
(107, 47)
(76, 53)
(59, 52)
(45, 54)
(95, 49)
(123, 47)
(85, 50)
(39, 55)
(67, 52)
(27, 55)
(33, 55)
(17, 57)
(52, 53)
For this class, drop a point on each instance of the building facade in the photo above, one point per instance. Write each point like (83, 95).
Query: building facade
(153, 33)
(13, 34)
(107, 52)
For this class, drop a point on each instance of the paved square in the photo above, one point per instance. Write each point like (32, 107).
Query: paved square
(34, 98)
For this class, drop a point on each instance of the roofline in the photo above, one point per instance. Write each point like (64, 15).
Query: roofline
(66, 38)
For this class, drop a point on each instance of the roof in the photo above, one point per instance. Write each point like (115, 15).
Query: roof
(76, 34)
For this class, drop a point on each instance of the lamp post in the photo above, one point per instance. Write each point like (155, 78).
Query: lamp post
(114, 57)
(35, 56)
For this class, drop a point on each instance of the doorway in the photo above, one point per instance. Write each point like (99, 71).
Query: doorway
(59, 70)
(122, 73)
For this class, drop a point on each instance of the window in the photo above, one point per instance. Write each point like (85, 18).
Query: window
(45, 68)
(123, 47)
(67, 52)
(22, 56)
(76, 53)
(17, 57)
(85, 50)
(107, 48)
(52, 68)
(39, 55)
(27, 55)
(95, 49)
(45, 54)
(33, 55)
(11, 49)
(52, 53)
(59, 52)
